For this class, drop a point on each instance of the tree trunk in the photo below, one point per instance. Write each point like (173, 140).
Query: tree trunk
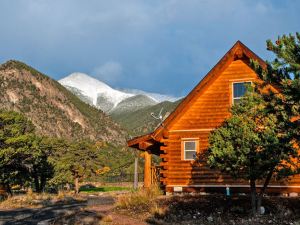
(76, 184)
(43, 183)
(37, 184)
(68, 186)
(253, 196)
(263, 189)
(8, 189)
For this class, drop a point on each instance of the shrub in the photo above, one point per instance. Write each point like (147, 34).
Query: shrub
(144, 199)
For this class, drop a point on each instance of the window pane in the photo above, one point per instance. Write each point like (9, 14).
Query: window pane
(190, 155)
(190, 145)
(239, 89)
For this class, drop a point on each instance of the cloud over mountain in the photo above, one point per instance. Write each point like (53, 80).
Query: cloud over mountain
(154, 42)
(109, 72)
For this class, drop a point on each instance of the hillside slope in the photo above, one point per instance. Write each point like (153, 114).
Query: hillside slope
(53, 109)
(140, 121)
(132, 104)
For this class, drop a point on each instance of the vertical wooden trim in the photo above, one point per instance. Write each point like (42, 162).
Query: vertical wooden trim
(147, 170)
(198, 146)
(230, 94)
(182, 149)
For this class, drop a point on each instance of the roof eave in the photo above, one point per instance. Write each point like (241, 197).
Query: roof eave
(217, 69)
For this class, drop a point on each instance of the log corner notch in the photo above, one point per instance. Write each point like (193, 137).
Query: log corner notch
(150, 146)
(145, 143)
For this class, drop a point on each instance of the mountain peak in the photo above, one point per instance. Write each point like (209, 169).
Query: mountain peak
(78, 75)
(106, 98)
(86, 79)
(12, 63)
(93, 88)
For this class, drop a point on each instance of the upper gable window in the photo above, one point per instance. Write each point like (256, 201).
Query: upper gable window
(190, 149)
(239, 90)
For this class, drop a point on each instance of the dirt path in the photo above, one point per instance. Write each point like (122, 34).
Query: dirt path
(38, 216)
(104, 206)
(92, 211)
(110, 217)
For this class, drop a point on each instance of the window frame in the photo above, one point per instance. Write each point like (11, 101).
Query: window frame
(183, 150)
(232, 89)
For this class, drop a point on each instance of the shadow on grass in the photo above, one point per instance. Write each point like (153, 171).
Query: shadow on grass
(102, 189)
(24, 216)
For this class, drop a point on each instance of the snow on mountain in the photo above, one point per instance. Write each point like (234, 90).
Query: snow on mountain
(94, 88)
(133, 103)
(108, 99)
(155, 96)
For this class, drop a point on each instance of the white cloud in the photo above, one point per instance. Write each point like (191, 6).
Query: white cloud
(109, 72)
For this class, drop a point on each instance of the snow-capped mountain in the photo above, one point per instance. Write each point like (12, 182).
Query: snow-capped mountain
(106, 98)
(155, 96)
(93, 88)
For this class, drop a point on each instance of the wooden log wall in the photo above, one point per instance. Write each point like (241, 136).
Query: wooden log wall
(204, 114)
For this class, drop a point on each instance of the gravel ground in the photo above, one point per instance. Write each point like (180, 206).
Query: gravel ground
(215, 209)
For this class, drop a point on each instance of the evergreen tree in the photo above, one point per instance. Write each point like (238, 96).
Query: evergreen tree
(262, 137)
(250, 145)
(75, 161)
(40, 170)
(23, 155)
(16, 140)
(283, 73)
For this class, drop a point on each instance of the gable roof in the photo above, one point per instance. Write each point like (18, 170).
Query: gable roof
(238, 51)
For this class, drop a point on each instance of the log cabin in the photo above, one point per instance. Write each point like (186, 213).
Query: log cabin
(185, 132)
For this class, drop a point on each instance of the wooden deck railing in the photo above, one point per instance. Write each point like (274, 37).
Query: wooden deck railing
(155, 174)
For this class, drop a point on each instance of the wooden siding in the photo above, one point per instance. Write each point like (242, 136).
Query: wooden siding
(210, 109)
(201, 111)
(204, 114)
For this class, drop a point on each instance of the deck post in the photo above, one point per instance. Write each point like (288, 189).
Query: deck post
(147, 170)
(136, 178)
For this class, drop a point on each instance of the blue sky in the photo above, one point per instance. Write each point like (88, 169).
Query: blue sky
(164, 46)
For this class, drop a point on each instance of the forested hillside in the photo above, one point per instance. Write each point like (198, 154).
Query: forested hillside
(140, 122)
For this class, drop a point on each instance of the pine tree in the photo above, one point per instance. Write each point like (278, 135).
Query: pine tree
(250, 145)
(262, 137)
(75, 161)
(283, 73)
(16, 140)
(40, 170)
(23, 154)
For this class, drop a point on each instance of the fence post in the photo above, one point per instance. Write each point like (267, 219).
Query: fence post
(136, 178)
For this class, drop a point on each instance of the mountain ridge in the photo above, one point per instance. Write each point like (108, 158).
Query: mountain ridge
(53, 109)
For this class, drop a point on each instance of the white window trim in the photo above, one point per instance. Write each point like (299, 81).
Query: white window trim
(232, 89)
(184, 150)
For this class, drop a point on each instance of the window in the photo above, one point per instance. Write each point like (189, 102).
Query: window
(190, 149)
(239, 90)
